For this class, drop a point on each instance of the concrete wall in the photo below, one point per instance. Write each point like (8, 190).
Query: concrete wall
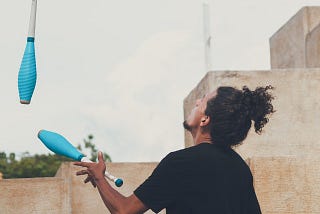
(288, 48)
(36, 195)
(294, 129)
(287, 184)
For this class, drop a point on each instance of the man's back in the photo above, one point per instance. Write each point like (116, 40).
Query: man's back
(201, 179)
(209, 177)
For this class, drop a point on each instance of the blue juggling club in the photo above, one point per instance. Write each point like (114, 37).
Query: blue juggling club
(28, 72)
(61, 146)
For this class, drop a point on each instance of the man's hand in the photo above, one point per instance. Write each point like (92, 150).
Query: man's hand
(95, 171)
(115, 201)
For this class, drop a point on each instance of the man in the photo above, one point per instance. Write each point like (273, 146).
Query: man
(209, 177)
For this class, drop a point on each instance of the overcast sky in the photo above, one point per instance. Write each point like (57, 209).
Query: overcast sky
(120, 69)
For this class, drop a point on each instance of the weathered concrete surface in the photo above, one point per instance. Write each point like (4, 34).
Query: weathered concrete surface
(313, 48)
(288, 44)
(294, 129)
(36, 195)
(287, 184)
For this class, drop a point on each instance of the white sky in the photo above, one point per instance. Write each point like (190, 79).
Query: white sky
(120, 69)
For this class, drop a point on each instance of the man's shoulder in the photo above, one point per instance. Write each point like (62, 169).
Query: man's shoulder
(187, 153)
(184, 151)
(206, 152)
(196, 148)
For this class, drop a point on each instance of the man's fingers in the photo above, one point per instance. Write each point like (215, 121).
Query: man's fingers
(82, 172)
(84, 164)
(87, 179)
(100, 157)
(93, 183)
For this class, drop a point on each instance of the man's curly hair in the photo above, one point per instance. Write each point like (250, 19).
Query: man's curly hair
(232, 112)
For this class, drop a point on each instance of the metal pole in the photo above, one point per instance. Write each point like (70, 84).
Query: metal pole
(207, 36)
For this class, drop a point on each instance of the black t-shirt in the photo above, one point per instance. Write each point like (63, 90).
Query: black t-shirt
(201, 179)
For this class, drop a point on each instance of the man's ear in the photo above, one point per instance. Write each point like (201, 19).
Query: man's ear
(205, 120)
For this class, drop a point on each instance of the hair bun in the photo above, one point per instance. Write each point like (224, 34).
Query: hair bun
(258, 105)
(248, 101)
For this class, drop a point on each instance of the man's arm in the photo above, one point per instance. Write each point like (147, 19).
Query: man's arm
(115, 201)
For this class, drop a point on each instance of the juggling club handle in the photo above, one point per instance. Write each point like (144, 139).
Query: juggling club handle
(117, 181)
(32, 22)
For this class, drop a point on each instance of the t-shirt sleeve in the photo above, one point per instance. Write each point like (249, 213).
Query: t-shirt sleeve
(160, 189)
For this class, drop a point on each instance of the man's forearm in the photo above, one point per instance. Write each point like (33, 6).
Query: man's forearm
(114, 200)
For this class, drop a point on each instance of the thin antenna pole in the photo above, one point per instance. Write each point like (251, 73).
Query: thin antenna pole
(207, 36)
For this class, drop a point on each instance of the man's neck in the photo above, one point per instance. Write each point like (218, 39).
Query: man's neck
(200, 137)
